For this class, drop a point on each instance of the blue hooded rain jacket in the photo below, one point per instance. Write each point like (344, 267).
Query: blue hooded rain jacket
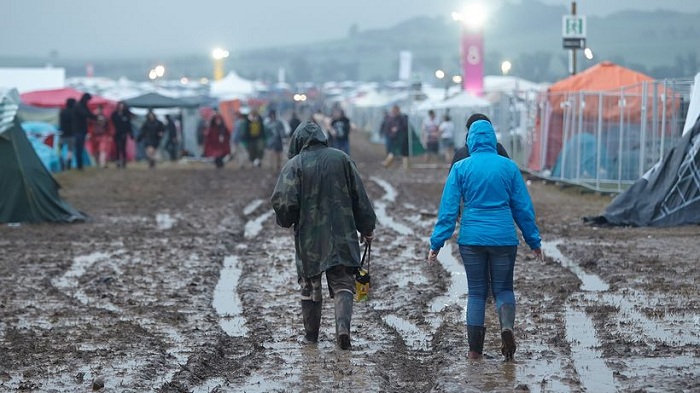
(494, 195)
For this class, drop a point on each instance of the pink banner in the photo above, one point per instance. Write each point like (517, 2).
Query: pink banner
(473, 61)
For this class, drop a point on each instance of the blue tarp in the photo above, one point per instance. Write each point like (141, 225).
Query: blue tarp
(37, 132)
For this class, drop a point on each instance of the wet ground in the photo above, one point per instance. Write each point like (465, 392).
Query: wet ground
(182, 282)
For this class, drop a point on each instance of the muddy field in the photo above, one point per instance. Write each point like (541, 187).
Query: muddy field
(182, 282)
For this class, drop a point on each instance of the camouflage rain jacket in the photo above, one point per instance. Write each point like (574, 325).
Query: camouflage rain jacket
(320, 193)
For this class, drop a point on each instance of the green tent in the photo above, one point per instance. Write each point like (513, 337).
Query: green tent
(29, 193)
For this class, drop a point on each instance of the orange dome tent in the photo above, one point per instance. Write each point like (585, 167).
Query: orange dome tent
(605, 80)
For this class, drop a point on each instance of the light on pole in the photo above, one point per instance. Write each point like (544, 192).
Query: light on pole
(219, 55)
(588, 53)
(505, 67)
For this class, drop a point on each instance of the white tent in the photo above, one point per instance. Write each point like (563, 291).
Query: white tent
(31, 79)
(373, 99)
(459, 101)
(231, 86)
(495, 86)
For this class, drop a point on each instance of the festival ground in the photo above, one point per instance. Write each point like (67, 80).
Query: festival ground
(182, 282)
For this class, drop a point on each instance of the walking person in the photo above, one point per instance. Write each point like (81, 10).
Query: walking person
(151, 132)
(254, 137)
(294, 122)
(101, 138)
(430, 134)
(67, 134)
(447, 137)
(121, 120)
(276, 134)
(397, 126)
(494, 195)
(217, 141)
(319, 192)
(173, 142)
(81, 115)
(340, 128)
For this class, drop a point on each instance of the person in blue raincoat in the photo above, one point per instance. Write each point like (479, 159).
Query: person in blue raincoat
(494, 195)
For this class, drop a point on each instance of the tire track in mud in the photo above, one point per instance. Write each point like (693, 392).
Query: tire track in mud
(268, 290)
(437, 350)
(175, 349)
(623, 318)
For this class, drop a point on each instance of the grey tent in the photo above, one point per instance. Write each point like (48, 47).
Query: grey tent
(29, 191)
(668, 195)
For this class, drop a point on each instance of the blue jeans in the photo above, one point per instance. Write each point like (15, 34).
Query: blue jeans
(79, 149)
(488, 266)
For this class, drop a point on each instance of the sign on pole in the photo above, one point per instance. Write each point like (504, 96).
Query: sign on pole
(573, 26)
(573, 31)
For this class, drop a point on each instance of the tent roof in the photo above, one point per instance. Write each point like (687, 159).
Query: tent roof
(602, 76)
(155, 100)
(230, 86)
(463, 99)
(56, 98)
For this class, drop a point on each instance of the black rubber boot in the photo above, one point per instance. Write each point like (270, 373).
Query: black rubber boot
(506, 315)
(475, 336)
(343, 316)
(311, 313)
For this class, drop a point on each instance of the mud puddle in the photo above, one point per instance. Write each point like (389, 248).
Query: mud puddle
(226, 301)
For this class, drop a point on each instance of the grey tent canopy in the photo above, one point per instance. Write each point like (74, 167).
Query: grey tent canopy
(155, 101)
(668, 195)
(29, 191)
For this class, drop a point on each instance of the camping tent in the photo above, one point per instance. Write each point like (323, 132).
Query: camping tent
(231, 86)
(30, 193)
(583, 161)
(669, 193)
(57, 99)
(604, 80)
(667, 196)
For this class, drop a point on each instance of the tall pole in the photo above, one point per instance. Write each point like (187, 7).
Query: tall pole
(572, 54)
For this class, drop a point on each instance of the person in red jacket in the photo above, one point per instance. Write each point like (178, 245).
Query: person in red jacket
(217, 140)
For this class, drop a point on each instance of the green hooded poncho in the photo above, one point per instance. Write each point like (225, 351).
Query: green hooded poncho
(320, 193)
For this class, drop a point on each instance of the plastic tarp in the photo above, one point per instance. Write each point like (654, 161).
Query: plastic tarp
(44, 140)
(668, 196)
(57, 98)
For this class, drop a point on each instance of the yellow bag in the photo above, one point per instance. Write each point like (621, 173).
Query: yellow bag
(362, 277)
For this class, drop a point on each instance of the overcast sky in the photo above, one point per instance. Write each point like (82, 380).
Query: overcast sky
(160, 28)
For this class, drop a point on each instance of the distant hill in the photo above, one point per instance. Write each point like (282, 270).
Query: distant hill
(662, 44)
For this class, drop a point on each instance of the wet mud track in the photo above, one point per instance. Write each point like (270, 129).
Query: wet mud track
(182, 282)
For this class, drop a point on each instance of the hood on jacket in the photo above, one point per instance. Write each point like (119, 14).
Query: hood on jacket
(307, 134)
(85, 98)
(481, 137)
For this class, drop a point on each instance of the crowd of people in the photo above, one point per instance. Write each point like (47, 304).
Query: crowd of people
(247, 140)
(107, 136)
